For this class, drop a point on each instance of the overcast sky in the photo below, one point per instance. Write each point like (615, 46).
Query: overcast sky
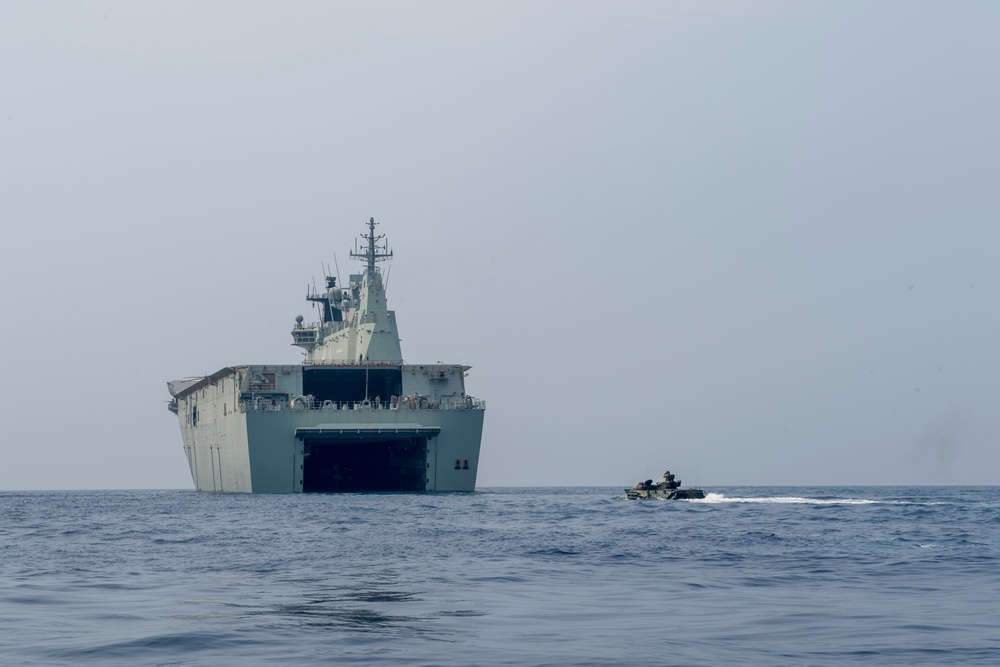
(754, 242)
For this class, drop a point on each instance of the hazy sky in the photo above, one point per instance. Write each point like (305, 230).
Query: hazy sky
(754, 242)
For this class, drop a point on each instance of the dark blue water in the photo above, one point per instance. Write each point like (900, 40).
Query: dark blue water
(576, 576)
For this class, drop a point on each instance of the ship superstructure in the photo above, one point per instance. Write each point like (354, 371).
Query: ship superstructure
(352, 417)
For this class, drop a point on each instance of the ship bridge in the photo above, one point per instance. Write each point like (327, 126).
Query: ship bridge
(356, 324)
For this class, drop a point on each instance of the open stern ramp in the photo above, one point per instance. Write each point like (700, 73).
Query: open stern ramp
(365, 457)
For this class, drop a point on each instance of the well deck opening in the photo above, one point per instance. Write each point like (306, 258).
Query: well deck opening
(371, 464)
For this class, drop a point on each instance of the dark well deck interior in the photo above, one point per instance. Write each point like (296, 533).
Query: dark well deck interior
(386, 463)
(341, 384)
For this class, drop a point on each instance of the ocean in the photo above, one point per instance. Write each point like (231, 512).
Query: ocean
(502, 576)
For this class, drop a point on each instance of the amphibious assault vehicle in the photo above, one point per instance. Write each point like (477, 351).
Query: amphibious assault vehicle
(668, 489)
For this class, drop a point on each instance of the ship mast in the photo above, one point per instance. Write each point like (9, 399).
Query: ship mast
(357, 325)
(372, 252)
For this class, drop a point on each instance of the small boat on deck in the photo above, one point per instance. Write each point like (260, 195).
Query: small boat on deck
(668, 489)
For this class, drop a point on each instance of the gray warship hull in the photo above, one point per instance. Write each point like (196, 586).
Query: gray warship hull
(286, 435)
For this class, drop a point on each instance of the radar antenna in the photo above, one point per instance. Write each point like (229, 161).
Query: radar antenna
(372, 251)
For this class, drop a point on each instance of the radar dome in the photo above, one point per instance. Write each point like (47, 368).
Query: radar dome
(298, 319)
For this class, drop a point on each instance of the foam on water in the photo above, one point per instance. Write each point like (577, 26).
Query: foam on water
(721, 498)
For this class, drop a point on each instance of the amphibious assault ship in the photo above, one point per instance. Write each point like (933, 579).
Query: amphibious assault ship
(353, 416)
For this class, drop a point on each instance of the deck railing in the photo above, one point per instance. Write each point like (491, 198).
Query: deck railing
(414, 402)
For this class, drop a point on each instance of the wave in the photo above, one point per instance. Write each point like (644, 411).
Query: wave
(786, 500)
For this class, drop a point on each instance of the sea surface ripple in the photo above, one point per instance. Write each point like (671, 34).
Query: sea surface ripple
(527, 576)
